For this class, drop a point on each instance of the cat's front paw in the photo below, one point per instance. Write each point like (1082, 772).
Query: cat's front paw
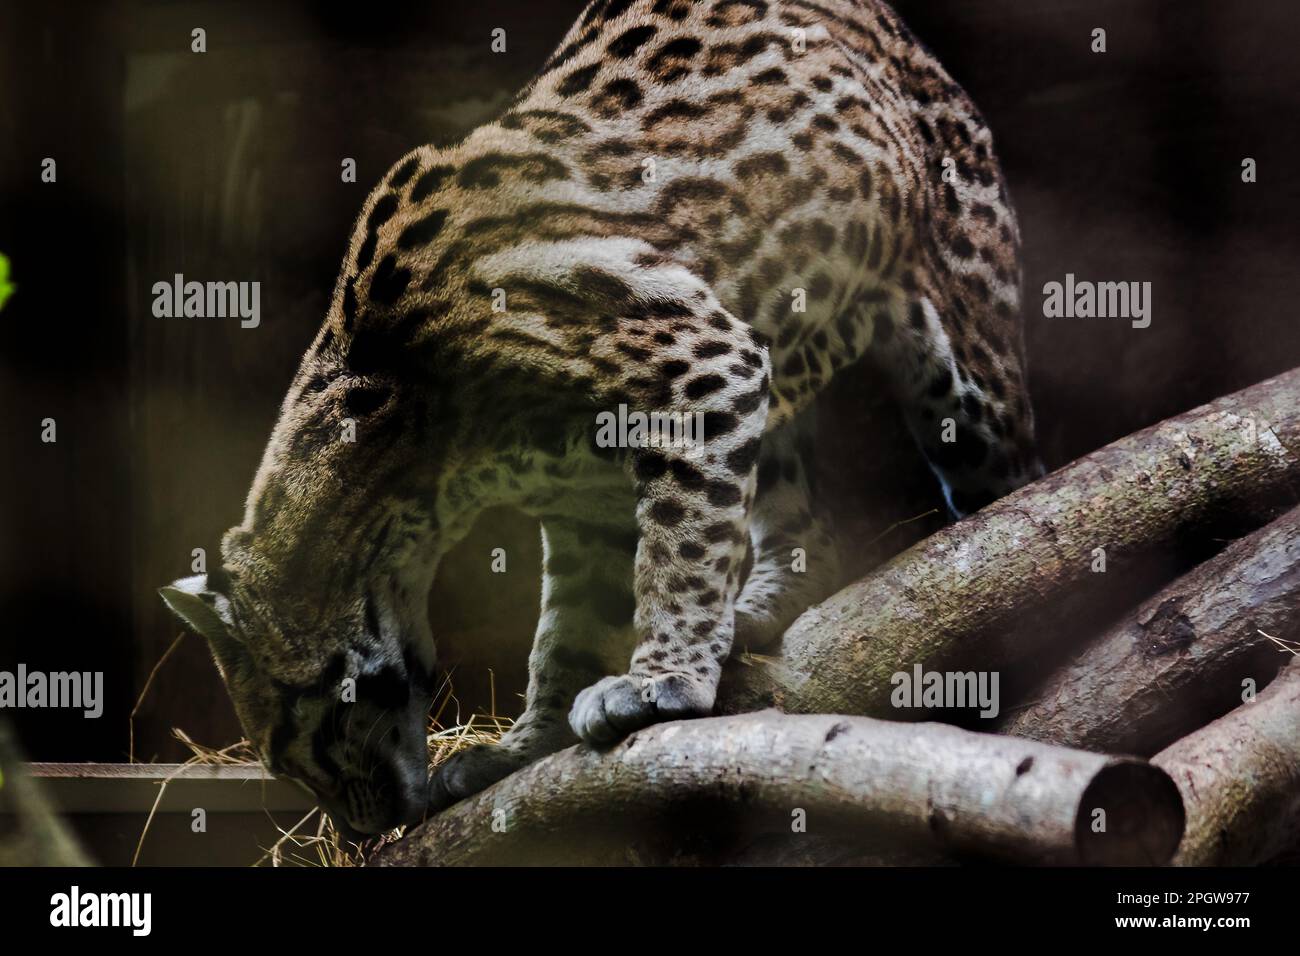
(466, 773)
(613, 707)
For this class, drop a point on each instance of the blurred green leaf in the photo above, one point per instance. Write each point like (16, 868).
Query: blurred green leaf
(6, 287)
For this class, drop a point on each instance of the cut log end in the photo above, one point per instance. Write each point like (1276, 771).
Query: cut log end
(1131, 814)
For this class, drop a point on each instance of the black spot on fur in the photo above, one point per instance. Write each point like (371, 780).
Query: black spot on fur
(747, 404)
(667, 513)
(673, 111)
(762, 163)
(485, 172)
(382, 211)
(916, 315)
(618, 96)
(578, 81)
(430, 181)
(367, 252)
(349, 304)
(389, 281)
(941, 385)
(363, 400)
(372, 622)
(630, 41)
(602, 286)
(597, 9)
(742, 459)
(422, 231)
(704, 385)
(376, 349)
(615, 9)
(650, 465)
(723, 494)
(669, 61)
(721, 531)
(709, 350)
(219, 579)
(317, 384)
(687, 474)
(717, 424)
(404, 172)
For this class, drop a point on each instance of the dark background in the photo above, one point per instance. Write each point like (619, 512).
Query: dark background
(1124, 167)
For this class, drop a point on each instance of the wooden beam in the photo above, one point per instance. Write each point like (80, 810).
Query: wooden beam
(133, 788)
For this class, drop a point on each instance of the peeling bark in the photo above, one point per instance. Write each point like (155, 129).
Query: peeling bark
(990, 591)
(705, 790)
(1240, 780)
(1180, 660)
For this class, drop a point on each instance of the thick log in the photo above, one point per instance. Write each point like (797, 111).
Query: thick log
(723, 782)
(991, 591)
(1240, 780)
(1182, 658)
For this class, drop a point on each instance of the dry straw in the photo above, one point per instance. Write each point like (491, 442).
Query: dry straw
(313, 840)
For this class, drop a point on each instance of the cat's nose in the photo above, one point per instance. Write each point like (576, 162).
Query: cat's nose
(410, 787)
(392, 795)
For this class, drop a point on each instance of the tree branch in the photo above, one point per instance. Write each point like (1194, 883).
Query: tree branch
(1179, 660)
(723, 782)
(1240, 780)
(991, 590)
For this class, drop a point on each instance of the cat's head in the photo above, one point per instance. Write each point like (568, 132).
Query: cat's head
(334, 697)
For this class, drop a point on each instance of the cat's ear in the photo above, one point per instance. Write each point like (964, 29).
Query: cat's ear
(205, 610)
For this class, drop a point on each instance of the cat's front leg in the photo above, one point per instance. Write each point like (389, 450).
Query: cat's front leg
(584, 631)
(692, 514)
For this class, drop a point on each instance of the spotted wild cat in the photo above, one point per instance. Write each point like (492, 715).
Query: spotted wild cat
(703, 207)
